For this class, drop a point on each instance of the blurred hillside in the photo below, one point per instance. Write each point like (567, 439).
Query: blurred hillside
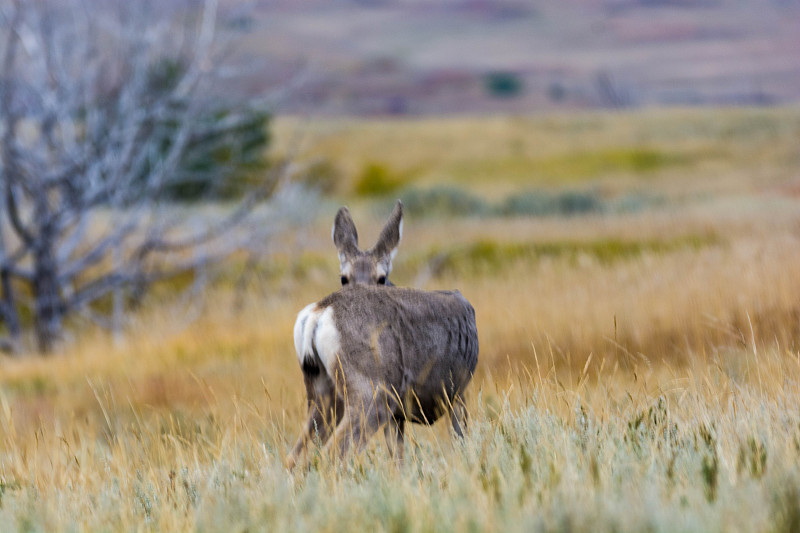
(416, 57)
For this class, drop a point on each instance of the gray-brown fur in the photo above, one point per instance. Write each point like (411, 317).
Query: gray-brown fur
(417, 342)
(375, 356)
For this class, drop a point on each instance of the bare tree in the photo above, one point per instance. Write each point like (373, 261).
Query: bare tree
(105, 109)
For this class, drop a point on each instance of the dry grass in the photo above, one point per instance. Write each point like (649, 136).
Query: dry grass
(655, 390)
(696, 447)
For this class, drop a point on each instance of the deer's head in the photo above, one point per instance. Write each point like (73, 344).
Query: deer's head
(366, 267)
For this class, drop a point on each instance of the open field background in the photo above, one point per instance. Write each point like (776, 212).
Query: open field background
(410, 57)
(637, 297)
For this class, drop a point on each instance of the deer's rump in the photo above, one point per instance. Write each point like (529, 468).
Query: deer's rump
(423, 345)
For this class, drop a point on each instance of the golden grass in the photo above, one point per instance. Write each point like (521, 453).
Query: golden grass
(694, 447)
(655, 391)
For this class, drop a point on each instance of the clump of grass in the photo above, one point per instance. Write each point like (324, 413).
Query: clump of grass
(651, 427)
(639, 159)
(709, 464)
(752, 457)
(377, 179)
(785, 506)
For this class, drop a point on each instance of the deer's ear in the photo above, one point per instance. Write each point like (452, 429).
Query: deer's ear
(391, 234)
(344, 233)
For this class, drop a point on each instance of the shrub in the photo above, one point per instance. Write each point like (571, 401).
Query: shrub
(503, 84)
(539, 203)
(377, 179)
(443, 201)
(454, 201)
(634, 202)
(223, 161)
(226, 149)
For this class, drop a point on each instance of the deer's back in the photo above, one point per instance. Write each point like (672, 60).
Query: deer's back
(403, 338)
(410, 339)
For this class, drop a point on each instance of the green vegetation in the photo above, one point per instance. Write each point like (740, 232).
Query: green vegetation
(503, 84)
(377, 179)
(443, 201)
(636, 160)
(579, 166)
(226, 151)
(223, 161)
(492, 257)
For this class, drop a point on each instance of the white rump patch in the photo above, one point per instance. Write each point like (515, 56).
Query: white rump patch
(326, 340)
(303, 319)
(316, 327)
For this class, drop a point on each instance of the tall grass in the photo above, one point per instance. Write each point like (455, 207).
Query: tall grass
(662, 449)
(638, 371)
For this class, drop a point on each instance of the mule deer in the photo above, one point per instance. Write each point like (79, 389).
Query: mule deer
(375, 355)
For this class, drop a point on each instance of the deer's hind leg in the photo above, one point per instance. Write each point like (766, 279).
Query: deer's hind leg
(361, 420)
(394, 432)
(325, 410)
(459, 416)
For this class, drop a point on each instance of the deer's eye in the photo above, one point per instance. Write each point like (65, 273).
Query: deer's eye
(344, 280)
(382, 280)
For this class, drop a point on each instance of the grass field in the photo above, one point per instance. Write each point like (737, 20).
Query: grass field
(639, 367)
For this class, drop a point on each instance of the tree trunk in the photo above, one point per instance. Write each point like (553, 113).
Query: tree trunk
(48, 309)
(9, 309)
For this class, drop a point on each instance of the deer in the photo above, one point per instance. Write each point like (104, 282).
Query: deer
(374, 355)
